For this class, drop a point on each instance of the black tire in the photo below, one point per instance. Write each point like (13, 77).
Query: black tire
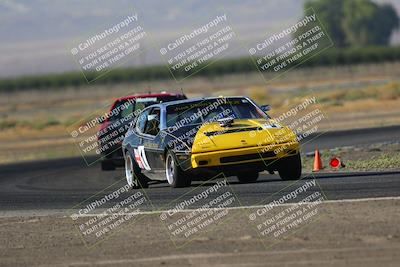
(107, 165)
(134, 176)
(173, 172)
(290, 168)
(248, 177)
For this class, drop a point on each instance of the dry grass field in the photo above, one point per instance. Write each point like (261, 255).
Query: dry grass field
(34, 124)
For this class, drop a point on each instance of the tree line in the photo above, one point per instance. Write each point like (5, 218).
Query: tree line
(330, 57)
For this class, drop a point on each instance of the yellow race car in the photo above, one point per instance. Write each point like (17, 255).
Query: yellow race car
(193, 139)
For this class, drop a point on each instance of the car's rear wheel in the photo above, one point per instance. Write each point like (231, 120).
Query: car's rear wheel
(248, 177)
(134, 177)
(175, 176)
(107, 165)
(290, 167)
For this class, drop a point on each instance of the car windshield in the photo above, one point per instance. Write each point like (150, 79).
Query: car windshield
(142, 103)
(211, 110)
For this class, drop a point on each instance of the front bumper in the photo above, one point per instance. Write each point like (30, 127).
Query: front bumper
(245, 155)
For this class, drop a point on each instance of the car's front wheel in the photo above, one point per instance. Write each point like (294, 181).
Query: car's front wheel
(174, 173)
(290, 167)
(134, 177)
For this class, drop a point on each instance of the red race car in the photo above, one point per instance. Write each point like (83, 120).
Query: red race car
(122, 112)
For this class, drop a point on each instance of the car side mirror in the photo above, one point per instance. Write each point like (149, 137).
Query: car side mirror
(265, 108)
(152, 117)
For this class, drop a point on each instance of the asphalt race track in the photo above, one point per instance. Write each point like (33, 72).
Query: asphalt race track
(60, 184)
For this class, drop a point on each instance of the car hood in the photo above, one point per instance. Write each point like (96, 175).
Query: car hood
(240, 134)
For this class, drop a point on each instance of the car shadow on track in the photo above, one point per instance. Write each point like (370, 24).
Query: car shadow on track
(231, 181)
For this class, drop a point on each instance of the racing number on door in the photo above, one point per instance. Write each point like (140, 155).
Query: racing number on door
(140, 158)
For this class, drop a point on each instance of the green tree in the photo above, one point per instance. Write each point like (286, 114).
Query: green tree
(330, 12)
(386, 17)
(356, 22)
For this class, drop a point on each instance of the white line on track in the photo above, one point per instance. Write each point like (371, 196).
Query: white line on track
(62, 212)
(255, 206)
(250, 255)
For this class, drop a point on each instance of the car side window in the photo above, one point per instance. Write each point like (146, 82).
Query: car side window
(141, 121)
(153, 124)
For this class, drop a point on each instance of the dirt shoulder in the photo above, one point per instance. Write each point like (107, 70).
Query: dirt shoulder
(347, 233)
(372, 157)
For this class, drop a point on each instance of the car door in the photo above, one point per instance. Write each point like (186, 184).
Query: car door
(138, 147)
(152, 141)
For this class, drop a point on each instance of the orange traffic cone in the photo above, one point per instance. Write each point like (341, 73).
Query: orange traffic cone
(317, 161)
